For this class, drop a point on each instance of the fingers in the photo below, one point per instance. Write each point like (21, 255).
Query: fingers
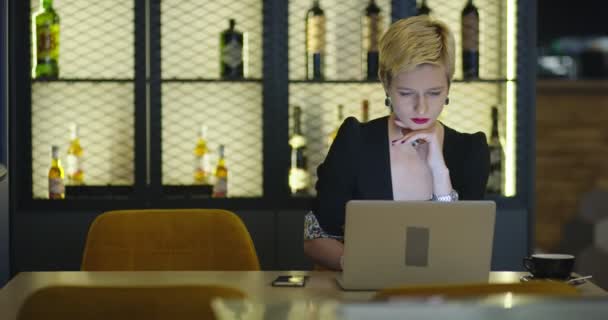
(404, 132)
(417, 135)
(414, 139)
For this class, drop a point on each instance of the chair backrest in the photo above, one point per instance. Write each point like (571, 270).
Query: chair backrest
(117, 303)
(548, 288)
(185, 239)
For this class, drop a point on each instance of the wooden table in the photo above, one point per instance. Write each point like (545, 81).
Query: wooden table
(256, 284)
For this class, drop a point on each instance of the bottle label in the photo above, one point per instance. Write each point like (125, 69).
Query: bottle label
(72, 164)
(298, 179)
(297, 141)
(56, 188)
(232, 54)
(316, 34)
(202, 168)
(220, 189)
(372, 31)
(47, 44)
(494, 182)
(470, 32)
(204, 163)
(495, 155)
(495, 177)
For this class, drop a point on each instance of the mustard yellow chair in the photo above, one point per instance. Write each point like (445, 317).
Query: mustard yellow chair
(547, 288)
(185, 239)
(118, 303)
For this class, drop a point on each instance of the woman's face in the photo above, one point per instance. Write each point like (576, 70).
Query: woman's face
(418, 95)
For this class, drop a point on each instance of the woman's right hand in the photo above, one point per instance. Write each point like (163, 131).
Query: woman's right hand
(325, 252)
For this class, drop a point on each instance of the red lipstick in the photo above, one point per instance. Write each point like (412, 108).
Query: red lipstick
(420, 120)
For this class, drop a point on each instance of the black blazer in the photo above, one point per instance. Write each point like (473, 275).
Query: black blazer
(357, 166)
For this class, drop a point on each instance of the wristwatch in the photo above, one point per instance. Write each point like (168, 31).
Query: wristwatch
(450, 197)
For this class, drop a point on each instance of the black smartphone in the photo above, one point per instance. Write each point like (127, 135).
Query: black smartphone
(290, 281)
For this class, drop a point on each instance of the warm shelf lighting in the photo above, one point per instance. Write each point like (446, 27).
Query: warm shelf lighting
(511, 100)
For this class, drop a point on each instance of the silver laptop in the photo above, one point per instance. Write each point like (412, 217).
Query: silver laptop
(398, 243)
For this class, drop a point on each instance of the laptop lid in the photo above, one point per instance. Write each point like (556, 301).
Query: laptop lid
(393, 243)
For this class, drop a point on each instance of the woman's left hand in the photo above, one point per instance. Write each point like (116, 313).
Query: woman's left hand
(433, 138)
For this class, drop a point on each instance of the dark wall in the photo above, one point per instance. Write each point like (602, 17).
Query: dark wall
(4, 184)
(558, 18)
(3, 72)
(55, 240)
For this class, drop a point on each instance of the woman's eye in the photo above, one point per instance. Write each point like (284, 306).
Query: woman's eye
(435, 93)
(405, 94)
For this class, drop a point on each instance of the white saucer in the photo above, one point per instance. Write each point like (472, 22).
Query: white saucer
(529, 277)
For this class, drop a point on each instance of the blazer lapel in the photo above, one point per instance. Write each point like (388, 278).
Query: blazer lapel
(375, 181)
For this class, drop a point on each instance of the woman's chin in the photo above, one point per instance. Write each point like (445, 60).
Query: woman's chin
(410, 125)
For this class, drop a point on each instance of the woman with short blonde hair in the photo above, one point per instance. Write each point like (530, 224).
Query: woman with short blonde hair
(411, 42)
(408, 155)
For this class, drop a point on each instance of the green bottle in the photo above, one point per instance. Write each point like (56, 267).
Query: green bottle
(47, 41)
(231, 51)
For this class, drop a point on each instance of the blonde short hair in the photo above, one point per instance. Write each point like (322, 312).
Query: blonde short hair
(411, 42)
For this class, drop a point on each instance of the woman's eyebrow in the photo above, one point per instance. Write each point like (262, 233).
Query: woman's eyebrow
(433, 88)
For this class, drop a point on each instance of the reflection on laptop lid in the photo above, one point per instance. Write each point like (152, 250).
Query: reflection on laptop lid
(396, 243)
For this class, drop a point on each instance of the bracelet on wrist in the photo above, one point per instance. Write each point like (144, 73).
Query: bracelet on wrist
(450, 197)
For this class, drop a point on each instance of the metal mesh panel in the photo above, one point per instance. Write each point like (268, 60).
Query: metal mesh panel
(343, 37)
(319, 103)
(233, 114)
(466, 112)
(470, 102)
(96, 42)
(96, 38)
(471, 113)
(104, 113)
(191, 36)
(492, 33)
(231, 110)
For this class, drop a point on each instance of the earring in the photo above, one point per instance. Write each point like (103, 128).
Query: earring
(388, 102)
(447, 100)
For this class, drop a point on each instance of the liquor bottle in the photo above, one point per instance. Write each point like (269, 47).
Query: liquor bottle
(495, 181)
(46, 41)
(365, 111)
(470, 41)
(332, 135)
(231, 52)
(315, 42)
(220, 188)
(372, 31)
(424, 8)
(56, 175)
(74, 168)
(299, 179)
(201, 158)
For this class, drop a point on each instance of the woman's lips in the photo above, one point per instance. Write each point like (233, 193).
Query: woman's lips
(420, 120)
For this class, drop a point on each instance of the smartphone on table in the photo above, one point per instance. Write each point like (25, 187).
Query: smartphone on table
(290, 281)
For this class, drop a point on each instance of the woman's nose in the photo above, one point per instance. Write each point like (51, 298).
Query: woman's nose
(421, 106)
